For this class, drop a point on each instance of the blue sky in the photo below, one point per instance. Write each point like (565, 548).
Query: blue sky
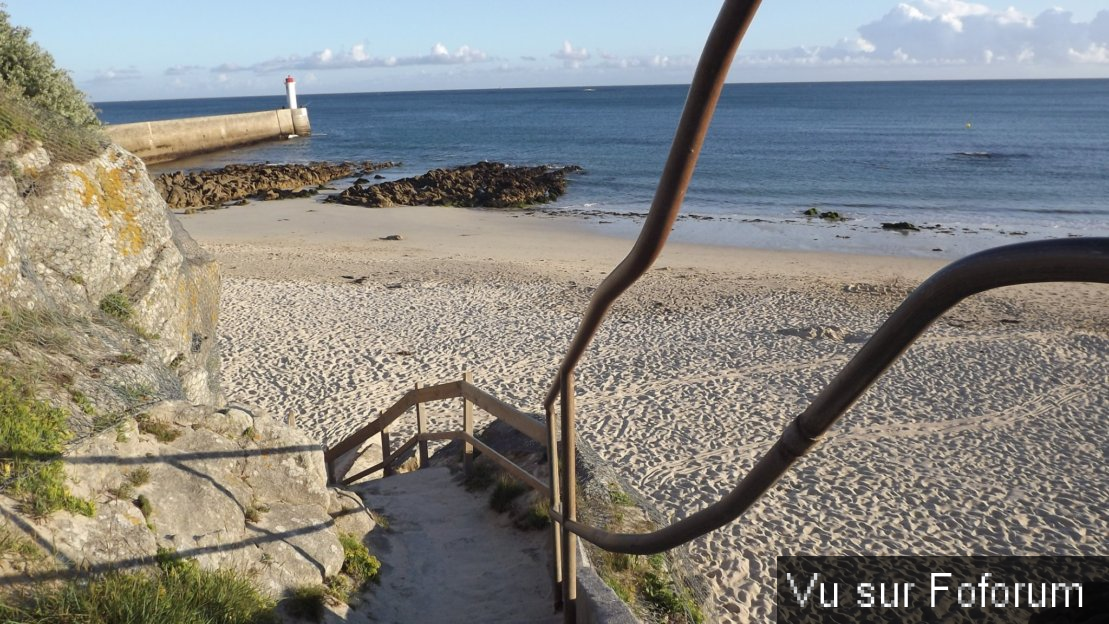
(125, 50)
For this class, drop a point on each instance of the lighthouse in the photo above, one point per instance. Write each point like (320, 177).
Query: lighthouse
(291, 92)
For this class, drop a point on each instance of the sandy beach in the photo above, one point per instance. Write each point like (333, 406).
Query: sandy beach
(987, 437)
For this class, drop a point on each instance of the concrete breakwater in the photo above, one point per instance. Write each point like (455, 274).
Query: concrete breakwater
(170, 139)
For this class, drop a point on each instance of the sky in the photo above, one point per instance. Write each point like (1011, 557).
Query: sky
(128, 50)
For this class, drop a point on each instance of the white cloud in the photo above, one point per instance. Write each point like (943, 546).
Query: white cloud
(358, 57)
(116, 75)
(181, 70)
(954, 32)
(573, 57)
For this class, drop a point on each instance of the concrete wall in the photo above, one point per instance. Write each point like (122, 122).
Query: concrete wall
(161, 141)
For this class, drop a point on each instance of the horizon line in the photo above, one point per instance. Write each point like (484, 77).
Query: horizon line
(597, 86)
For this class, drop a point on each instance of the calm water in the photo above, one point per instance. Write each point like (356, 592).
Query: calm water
(1035, 152)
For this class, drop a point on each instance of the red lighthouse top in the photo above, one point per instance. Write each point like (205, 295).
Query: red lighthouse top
(289, 79)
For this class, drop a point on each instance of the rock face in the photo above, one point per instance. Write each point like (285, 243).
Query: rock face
(215, 187)
(485, 184)
(233, 489)
(73, 234)
(110, 309)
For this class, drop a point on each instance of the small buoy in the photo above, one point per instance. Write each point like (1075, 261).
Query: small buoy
(968, 125)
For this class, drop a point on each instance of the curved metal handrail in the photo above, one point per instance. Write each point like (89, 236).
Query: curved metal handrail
(704, 92)
(1074, 260)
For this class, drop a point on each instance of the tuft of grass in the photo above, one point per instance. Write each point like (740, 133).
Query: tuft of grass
(507, 490)
(125, 358)
(178, 592)
(618, 496)
(646, 582)
(358, 563)
(482, 475)
(32, 434)
(117, 306)
(123, 491)
(14, 546)
(254, 512)
(104, 422)
(138, 477)
(83, 402)
(380, 520)
(134, 393)
(145, 506)
(163, 432)
(339, 588)
(663, 595)
(537, 517)
(39, 328)
(307, 602)
(250, 433)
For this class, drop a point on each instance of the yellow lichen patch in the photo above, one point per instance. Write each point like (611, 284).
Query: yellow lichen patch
(108, 193)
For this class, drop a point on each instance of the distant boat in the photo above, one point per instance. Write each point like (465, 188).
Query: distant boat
(589, 89)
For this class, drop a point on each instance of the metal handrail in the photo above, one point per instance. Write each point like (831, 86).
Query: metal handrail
(704, 92)
(1074, 260)
(1085, 260)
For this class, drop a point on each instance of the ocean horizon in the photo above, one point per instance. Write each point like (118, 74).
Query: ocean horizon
(1025, 158)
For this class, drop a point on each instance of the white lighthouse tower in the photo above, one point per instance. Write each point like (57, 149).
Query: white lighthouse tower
(291, 92)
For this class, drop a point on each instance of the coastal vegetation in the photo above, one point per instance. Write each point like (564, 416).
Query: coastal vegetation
(175, 591)
(32, 435)
(27, 71)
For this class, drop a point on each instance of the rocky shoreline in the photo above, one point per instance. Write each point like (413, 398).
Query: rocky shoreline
(235, 183)
(483, 184)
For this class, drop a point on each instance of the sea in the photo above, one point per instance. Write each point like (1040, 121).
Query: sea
(996, 161)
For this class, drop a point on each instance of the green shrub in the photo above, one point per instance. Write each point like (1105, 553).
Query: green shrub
(31, 437)
(117, 305)
(27, 70)
(176, 593)
(358, 563)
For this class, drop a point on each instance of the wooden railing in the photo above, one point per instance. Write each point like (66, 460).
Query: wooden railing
(471, 396)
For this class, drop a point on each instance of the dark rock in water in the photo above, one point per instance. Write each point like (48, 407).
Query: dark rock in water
(379, 177)
(485, 184)
(361, 181)
(266, 181)
(828, 215)
(901, 226)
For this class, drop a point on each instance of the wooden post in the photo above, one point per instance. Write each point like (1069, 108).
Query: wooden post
(385, 463)
(569, 504)
(421, 428)
(468, 428)
(291, 418)
(556, 505)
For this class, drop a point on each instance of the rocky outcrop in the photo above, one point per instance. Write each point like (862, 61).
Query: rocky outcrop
(109, 312)
(485, 184)
(72, 235)
(215, 187)
(231, 489)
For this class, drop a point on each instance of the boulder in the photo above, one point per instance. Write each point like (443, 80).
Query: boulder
(253, 499)
(83, 232)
